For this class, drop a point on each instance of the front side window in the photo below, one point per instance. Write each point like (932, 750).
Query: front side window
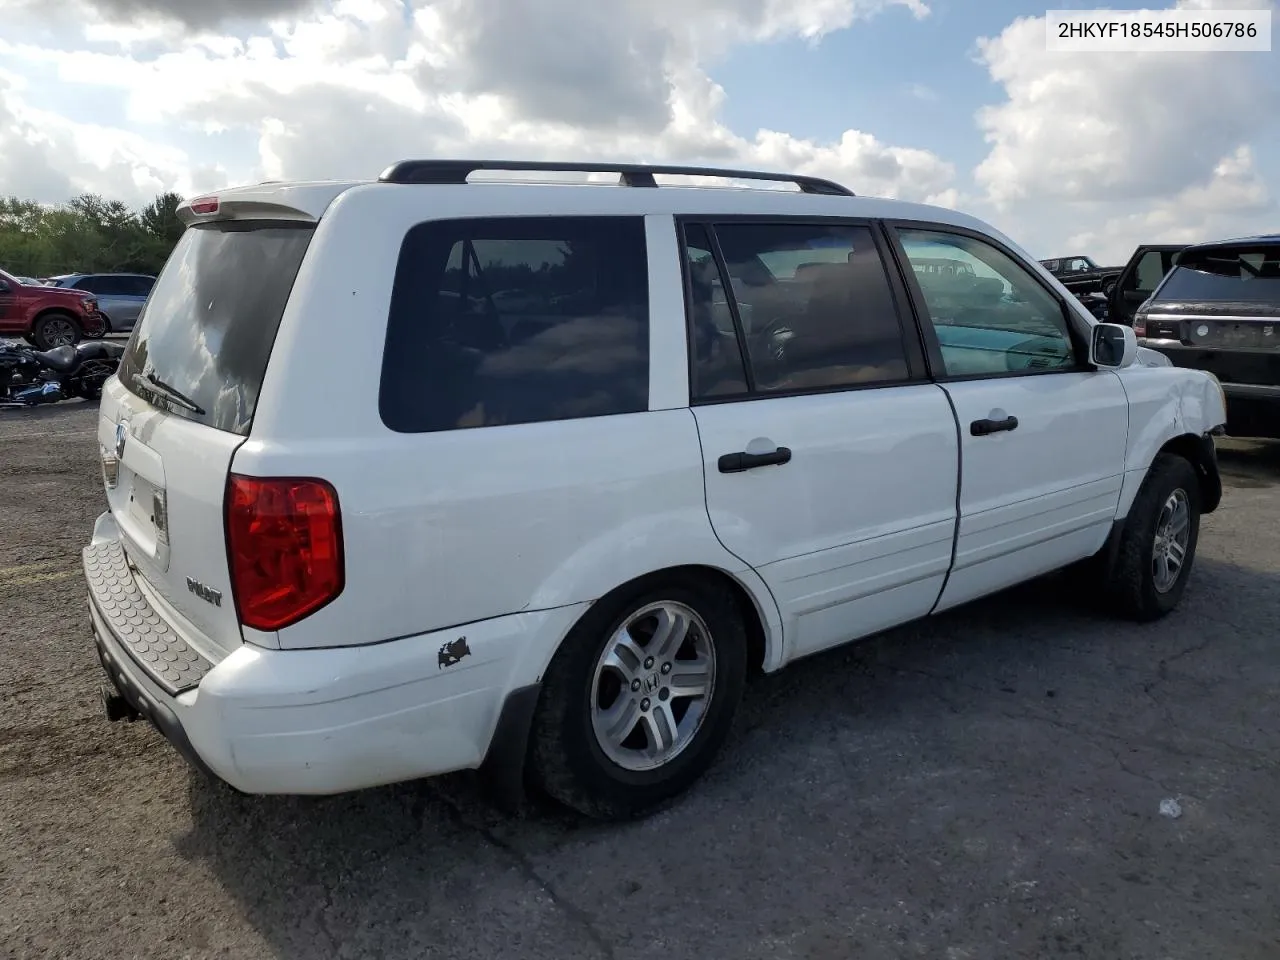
(815, 305)
(517, 320)
(993, 317)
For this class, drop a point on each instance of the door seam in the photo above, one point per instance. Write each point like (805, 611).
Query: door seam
(706, 507)
(955, 533)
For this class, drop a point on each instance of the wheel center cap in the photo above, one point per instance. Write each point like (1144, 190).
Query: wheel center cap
(652, 682)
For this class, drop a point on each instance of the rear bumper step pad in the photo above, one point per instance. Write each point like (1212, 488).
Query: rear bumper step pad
(141, 632)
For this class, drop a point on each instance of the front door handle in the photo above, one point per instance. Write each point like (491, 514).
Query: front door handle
(738, 462)
(981, 428)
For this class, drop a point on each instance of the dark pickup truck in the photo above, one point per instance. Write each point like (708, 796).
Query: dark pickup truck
(1081, 275)
(1218, 310)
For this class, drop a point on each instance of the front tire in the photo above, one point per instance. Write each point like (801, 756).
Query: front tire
(640, 698)
(55, 329)
(1158, 543)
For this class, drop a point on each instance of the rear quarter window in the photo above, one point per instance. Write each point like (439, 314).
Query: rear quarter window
(498, 321)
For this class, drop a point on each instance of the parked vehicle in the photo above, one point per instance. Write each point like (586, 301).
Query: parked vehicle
(1080, 274)
(1139, 278)
(120, 295)
(1096, 303)
(47, 316)
(702, 433)
(1219, 310)
(30, 377)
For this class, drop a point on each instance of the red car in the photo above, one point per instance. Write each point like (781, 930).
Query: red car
(47, 316)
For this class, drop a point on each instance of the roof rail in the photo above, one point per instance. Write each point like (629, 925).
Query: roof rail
(631, 174)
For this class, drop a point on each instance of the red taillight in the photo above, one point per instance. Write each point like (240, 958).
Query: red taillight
(204, 205)
(284, 546)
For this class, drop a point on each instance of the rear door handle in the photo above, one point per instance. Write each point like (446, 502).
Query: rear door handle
(981, 428)
(738, 462)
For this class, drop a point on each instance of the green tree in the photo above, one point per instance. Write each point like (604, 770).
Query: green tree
(160, 218)
(88, 234)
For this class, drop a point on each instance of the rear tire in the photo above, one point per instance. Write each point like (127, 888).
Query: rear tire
(1162, 529)
(55, 328)
(617, 730)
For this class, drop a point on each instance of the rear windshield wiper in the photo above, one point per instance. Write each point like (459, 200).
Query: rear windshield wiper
(169, 393)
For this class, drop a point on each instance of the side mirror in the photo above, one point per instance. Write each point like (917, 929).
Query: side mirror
(4, 286)
(1114, 346)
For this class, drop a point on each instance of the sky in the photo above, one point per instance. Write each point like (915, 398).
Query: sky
(951, 102)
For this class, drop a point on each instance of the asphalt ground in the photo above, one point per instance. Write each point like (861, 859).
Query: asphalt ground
(986, 784)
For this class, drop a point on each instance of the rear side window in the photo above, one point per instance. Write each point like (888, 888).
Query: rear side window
(136, 286)
(517, 320)
(815, 306)
(201, 344)
(1225, 273)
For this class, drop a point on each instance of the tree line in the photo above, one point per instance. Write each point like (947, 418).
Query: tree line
(89, 234)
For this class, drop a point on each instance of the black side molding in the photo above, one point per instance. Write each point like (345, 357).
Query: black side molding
(502, 770)
(1210, 479)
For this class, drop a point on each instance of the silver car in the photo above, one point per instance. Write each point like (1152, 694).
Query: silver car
(120, 295)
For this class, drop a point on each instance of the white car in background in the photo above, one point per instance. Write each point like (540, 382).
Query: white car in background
(424, 473)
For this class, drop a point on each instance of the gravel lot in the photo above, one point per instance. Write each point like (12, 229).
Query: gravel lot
(984, 785)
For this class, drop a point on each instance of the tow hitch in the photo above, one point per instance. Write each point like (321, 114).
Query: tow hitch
(115, 706)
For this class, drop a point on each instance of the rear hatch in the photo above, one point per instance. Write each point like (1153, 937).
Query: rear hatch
(184, 402)
(1221, 305)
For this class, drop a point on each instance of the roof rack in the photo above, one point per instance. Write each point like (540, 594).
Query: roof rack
(630, 174)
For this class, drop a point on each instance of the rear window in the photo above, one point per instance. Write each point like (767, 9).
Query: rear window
(499, 321)
(201, 344)
(1228, 273)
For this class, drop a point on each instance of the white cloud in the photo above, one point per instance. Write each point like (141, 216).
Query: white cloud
(344, 91)
(1233, 201)
(1127, 126)
(1094, 152)
(1085, 150)
(45, 157)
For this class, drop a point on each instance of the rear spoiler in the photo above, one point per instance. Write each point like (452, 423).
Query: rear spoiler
(261, 207)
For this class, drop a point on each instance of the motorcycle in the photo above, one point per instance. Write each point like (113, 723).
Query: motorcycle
(29, 377)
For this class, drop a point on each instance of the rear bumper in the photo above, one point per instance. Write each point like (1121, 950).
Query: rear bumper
(143, 696)
(331, 720)
(1253, 409)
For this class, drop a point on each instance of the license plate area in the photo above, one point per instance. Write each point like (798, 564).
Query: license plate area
(139, 503)
(147, 509)
(1233, 334)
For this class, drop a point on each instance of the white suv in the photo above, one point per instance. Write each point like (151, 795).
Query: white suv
(428, 474)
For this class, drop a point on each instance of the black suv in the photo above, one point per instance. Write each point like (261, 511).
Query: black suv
(1218, 309)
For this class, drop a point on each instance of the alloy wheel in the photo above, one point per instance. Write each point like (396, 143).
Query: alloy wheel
(652, 686)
